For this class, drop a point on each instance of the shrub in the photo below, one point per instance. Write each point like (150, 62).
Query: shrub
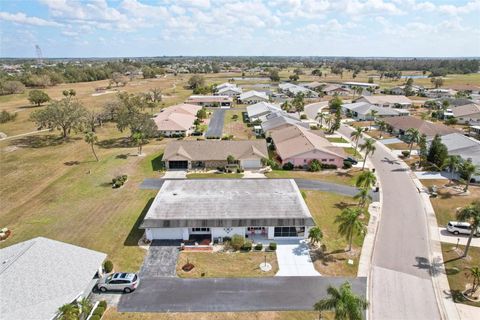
(108, 266)
(6, 116)
(247, 246)
(119, 181)
(287, 166)
(99, 311)
(347, 164)
(103, 304)
(95, 317)
(303, 117)
(406, 153)
(240, 170)
(188, 267)
(237, 241)
(328, 166)
(272, 246)
(258, 247)
(314, 166)
(304, 195)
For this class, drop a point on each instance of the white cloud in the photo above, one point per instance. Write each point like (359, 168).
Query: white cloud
(69, 33)
(22, 18)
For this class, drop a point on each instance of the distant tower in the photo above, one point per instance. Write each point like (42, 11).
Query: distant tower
(39, 54)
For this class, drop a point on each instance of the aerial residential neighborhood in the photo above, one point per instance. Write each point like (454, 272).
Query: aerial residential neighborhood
(239, 160)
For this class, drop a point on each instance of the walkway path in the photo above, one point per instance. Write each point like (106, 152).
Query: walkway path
(24, 134)
(448, 237)
(401, 285)
(215, 126)
(294, 259)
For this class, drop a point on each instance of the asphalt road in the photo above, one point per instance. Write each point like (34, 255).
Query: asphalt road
(401, 283)
(231, 294)
(215, 127)
(312, 109)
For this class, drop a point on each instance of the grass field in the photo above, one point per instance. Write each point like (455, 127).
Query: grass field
(456, 269)
(236, 127)
(226, 265)
(337, 140)
(339, 177)
(324, 207)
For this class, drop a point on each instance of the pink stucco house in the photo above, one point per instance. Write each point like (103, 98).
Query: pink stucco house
(299, 146)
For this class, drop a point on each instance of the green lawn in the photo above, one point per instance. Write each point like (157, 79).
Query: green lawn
(351, 152)
(337, 140)
(234, 125)
(324, 207)
(456, 269)
(214, 175)
(334, 176)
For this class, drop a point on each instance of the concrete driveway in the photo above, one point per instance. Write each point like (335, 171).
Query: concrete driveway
(215, 127)
(231, 294)
(294, 259)
(161, 260)
(175, 174)
(448, 237)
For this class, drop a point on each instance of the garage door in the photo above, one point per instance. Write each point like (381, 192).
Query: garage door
(178, 164)
(167, 233)
(251, 164)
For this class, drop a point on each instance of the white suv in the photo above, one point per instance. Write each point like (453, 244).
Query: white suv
(120, 281)
(457, 227)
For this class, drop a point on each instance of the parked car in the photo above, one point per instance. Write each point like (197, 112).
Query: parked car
(120, 281)
(352, 160)
(457, 227)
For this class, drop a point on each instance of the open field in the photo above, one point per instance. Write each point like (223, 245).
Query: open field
(112, 314)
(339, 177)
(324, 207)
(236, 127)
(226, 265)
(457, 271)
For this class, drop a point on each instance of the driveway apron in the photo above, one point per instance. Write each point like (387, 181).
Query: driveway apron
(161, 260)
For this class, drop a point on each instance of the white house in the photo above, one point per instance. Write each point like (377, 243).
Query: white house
(251, 97)
(219, 208)
(363, 111)
(260, 111)
(388, 101)
(293, 89)
(40, 275)
(232, 91)
(440, 93)
(467, 114)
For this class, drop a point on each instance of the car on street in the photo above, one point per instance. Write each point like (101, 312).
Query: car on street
(120, 281)
(352, 160)
(457, 227)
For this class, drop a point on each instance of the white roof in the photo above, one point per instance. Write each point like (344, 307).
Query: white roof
(225, 85)
(40, 275)
(294, 89)
(360, 84)
(364, 108)
(230, 88)
(253, 93)
(261, 108)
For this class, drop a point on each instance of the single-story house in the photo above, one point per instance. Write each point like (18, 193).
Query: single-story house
(280, 120)
(362, 111)
(360, 84)
(210, 101)
(401, 124)
(224, 85)
(40, 275)
(465, 147)
(400, 90)
(259, 111)
(195, 154)
(388, 101)
(300, 146)
(221, 208)
(293, 89)
(467, 114)
(251, 97)
(440, 93)
(177, 120)
(231, 91)
(313, 85)
(336, 89)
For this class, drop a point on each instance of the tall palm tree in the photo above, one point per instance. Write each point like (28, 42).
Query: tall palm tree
(470, 213)
(85, 308)
(346, 304)
(469, 169)
(369, 147)
(349, 222)
(366, 179)
(320, 116)
(382, 125)
(363, 196)
(91, 139)
(328, 120)
(453, 163)
(413, 137)
(475, 274)
(286, 106)
(356, 135)
(372, 114)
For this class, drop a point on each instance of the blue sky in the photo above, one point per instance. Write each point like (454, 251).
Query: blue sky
(103, 28)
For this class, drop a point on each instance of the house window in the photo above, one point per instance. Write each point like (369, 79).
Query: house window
(200, 229)
(324, 160)
(304, 160)
(331, 160)
(289, 232)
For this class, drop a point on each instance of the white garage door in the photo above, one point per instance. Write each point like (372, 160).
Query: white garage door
(167, 233)
(251, 164)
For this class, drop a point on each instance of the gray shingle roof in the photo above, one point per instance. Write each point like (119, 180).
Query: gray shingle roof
(227, 203)
(40, 275)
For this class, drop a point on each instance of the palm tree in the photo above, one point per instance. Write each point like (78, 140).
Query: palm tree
(139, 139)
(366, 179)
(315, 235)
(356, 135)
(372, 115)
(349, 222)
(320, 116)
(68, 311)
(363, 196)
(382, 125)
(369, 147)
(91, 139)
(413, 137)
(85, 308)
(453, 163)
(470, 213)
(346, 304)
(469, 169)
(475, 274)
(286, 106)
(328, 120)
